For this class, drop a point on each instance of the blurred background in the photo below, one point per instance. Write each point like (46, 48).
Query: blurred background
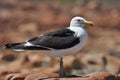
(24, 19)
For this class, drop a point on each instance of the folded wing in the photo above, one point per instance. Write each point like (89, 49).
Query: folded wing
(60, 39)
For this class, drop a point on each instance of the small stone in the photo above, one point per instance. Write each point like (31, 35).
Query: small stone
(9, 57)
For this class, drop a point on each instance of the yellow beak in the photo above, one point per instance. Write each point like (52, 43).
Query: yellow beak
(89, 23)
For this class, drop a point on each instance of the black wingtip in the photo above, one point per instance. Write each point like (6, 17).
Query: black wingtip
(11, 45)
(7, 46)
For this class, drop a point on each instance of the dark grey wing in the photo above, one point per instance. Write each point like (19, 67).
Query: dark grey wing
(60, 39)
(60, 33)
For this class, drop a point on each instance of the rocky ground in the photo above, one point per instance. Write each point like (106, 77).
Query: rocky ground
(99, 60)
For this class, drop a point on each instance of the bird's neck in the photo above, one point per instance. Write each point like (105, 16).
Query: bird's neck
(78, 30)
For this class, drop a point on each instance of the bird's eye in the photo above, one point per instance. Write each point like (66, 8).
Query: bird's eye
(78, 20)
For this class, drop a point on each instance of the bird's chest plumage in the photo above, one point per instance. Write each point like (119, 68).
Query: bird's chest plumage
(82, 34)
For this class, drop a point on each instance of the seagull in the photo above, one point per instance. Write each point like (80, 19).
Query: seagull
(59, 43)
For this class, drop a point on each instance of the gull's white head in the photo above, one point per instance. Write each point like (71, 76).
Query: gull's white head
(80, 22)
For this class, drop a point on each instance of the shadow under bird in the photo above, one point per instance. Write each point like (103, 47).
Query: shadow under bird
(59, 43)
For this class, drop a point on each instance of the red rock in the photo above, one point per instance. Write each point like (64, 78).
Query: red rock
(4, 70)
(93, 62)
(113, 64)
(118, 77)
(9, 76)
(37, 76)
(54, 76)
(102, 75)
(17, 76)
(72, 78)
(8, 58)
